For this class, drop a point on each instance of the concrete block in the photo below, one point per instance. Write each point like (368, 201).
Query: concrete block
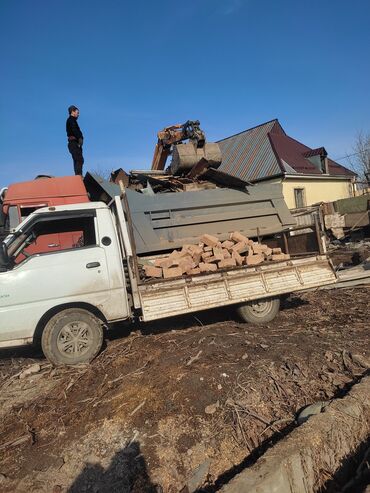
(152, 271)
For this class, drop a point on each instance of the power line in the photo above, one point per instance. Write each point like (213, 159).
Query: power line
(350, 155)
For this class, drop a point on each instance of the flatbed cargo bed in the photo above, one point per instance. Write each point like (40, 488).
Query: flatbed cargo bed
(166, 298)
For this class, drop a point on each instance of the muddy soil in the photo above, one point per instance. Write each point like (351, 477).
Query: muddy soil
(176, 405)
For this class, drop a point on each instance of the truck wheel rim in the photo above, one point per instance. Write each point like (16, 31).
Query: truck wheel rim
(261, 308)
(74, 339)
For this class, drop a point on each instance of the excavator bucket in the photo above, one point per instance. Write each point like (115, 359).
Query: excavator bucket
(186, 156)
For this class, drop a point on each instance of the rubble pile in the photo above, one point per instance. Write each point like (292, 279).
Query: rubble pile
(210, 254)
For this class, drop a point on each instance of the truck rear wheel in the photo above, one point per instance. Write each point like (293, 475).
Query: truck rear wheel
(259, 311)
(72, 336)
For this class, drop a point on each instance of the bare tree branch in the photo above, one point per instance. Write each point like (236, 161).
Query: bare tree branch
(359, 161)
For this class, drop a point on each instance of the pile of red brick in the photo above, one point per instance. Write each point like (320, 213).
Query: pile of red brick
(210, 255)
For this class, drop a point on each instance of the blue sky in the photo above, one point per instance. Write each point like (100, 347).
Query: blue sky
(134, 67)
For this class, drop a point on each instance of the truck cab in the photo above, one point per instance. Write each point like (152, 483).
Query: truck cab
(87, 277)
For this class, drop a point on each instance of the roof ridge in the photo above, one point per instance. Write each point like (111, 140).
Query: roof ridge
(278, 158)
(252, 128)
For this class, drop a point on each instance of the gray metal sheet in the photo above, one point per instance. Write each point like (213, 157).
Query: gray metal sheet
(249, 154)
(167, 221)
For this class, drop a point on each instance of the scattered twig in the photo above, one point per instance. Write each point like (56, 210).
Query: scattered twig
(197, 319)
(194, 358)
(17, 441)
(138, 407)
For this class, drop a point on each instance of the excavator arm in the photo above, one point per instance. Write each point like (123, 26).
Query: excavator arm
(174, 135)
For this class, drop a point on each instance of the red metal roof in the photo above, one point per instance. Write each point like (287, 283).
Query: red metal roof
(320, 151)
(296, 155)
(265, 151)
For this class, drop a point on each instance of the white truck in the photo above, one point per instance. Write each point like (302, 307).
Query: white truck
(66, 299)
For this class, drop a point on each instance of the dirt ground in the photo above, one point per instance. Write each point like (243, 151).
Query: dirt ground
(176, 405)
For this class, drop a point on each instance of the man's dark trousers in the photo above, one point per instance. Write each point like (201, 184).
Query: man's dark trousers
(77, 156)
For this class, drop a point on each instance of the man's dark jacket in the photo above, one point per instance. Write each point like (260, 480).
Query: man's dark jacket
(73, 130)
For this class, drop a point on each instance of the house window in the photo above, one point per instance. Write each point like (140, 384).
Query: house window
(299, 197)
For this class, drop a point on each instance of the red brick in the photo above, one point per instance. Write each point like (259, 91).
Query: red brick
(280, 256)
(276, 251)
(217, 251)
(254, 259)
(207, 267)
(196, 258)
(186, 263)
(209, 240)
(238, 237)
(214, 258)
(172, 272)
(227, 244)
(151, 271)
(195, 249)
(184, 252)
(174, 255)
(206, 255)
(238, 258)
(240, 247)
(227, 262)
(268, 252)
(194, 271)
(208, 249)
(226, 253)
(163, 262)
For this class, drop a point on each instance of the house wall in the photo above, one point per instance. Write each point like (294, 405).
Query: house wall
(316, 190)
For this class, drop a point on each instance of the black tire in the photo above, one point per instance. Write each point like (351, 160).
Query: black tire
(259, 311)
(72, 336)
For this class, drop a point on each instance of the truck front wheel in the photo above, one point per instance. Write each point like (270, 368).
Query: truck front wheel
(72, 336)
(259, 311)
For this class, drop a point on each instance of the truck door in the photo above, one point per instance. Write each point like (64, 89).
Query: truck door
(48, 279)
(44, 243)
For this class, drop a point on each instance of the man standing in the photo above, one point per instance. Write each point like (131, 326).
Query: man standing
(75, 139)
